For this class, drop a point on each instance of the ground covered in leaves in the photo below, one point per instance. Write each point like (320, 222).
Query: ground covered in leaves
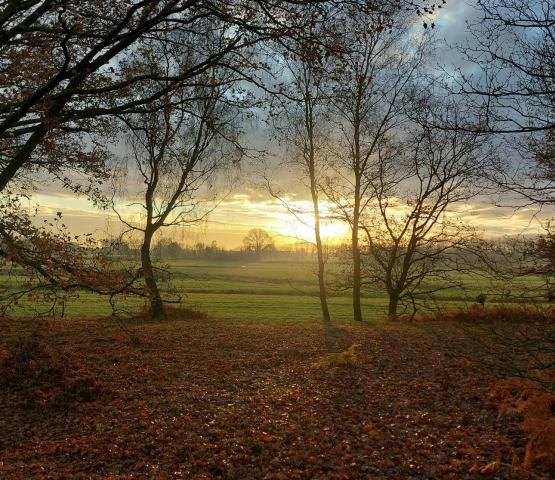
(205, 398)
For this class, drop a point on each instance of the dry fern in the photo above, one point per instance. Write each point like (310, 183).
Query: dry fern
(524, 398)
(332, 361)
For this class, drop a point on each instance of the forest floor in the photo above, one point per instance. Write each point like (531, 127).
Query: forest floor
(204, 398)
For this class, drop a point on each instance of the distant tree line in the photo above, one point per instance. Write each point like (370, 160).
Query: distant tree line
(257, 245)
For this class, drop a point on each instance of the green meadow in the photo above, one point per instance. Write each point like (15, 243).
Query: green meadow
(265, 289)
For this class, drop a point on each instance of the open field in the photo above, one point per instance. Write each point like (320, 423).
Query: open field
(212, 399)
(240, 393)
(272, 290)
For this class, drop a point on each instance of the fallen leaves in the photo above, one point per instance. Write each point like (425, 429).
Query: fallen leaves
(371, 430)
(522, 398)
(179, 412)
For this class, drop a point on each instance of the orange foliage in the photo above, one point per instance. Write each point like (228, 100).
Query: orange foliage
(489, 469)
(334, 360)
(537, 408)
(494, 313)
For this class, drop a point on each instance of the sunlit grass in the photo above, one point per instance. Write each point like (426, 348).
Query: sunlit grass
(273, 290)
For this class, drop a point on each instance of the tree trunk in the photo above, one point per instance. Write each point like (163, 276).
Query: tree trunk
(358, 171)
(311, 163)
(321, 263)
(156, 305)
(357, 311)
(393, 305)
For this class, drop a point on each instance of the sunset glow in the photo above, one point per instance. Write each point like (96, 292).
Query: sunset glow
(228, 224)
(277, 239)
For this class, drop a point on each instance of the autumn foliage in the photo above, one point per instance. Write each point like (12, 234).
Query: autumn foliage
(204, 398)
(495, 314)
(517, 344)
(332, 361)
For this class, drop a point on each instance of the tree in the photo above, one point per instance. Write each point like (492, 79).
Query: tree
(50, 263)
(414, 238)
(70, 68)
(513, 44)
(177, 149)
(167, 248)
(258, 241)
(301, 125)
(510, 93)
(371, 86)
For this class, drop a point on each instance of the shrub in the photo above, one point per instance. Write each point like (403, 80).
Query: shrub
(496, 313)
(331, 361)
(175, 313)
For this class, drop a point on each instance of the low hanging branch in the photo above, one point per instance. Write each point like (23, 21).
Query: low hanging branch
(52, 262)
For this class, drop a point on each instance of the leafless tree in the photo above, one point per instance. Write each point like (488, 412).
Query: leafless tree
(414, 235)
(511, 91)
(258, 241)
(518, 268)
(513, 44)
(302, 125)
(176, 150)
(371, 85)
(69, 68)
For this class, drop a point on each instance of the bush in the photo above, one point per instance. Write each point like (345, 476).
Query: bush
(497, 313)
(174, 313)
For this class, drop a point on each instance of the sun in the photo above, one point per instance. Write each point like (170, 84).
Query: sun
(300, 225)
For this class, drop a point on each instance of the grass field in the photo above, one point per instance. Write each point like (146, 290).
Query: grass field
(256, 397)
(268, 289)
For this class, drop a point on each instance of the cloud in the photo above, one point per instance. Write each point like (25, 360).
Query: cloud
(247, 209)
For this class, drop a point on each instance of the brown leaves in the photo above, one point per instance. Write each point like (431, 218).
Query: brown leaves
(524, 399)
(177, 409)
(371, 430)
(266, 438)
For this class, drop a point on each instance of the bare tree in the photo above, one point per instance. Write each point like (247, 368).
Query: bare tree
(301, 124)
(512, 91)
(258, 240)
(519, 268)
(513, 44)
(414, 236)
(371, 85)
(69, 68)
(177, 150)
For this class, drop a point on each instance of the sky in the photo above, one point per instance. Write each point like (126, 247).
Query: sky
(229, 222)
(249, 206)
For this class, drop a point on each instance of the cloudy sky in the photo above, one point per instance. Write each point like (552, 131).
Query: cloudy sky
(250, 206)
